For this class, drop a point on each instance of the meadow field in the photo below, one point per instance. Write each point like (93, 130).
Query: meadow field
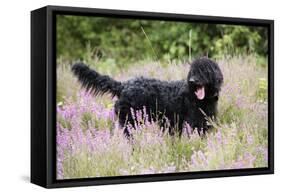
(90, 142)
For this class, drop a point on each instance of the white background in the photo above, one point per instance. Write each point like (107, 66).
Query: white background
(15, 94)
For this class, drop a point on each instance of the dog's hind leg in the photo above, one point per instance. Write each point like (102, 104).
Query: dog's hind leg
(126, 121)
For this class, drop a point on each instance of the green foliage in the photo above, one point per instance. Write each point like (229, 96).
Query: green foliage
(123, 41)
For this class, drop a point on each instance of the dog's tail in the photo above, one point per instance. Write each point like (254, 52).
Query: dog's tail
(96, 83)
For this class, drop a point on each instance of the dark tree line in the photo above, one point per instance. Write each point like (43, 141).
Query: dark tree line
(126, 40)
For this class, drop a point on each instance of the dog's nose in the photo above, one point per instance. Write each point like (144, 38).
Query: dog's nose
(192, 79)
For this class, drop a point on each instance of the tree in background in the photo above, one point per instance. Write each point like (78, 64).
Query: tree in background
(124, 41)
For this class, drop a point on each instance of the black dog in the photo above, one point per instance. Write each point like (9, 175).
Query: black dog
(192, 100)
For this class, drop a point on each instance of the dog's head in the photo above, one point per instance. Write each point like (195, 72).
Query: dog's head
(204, 79)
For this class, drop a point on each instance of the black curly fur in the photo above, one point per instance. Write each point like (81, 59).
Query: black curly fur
(175, 101)
(96, 83)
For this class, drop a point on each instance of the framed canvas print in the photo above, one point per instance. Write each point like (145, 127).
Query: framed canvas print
(125, 96)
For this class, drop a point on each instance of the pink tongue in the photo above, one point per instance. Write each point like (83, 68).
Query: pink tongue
(200, 93)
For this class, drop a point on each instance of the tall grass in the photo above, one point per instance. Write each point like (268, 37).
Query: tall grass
(90, 143)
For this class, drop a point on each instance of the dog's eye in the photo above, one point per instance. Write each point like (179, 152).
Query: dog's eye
(220, 80)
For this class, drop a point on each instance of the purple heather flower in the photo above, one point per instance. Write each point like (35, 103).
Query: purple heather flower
(250, 139)
(219, 136)
(148, 171)
(170, 169)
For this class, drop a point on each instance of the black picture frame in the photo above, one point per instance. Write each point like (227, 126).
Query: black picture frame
(43, 96)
